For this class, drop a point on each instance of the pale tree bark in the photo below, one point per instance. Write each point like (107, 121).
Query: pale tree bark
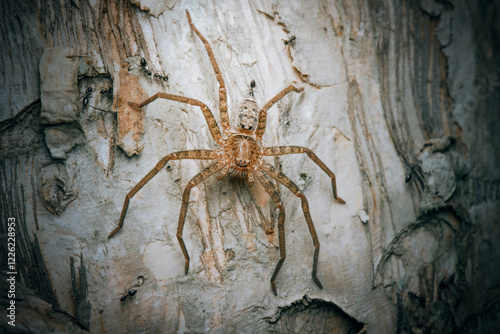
(400, 100)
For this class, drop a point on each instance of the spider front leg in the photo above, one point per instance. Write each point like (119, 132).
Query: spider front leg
(191, 154)
(224, 118)
(209, 117)
(261, 126)
(201, 176)
(271, 190)
(285, 180)
(282, 150)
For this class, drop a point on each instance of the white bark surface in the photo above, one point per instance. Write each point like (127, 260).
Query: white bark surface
(387, 86)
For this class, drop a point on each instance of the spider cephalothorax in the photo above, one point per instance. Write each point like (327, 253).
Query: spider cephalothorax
(240, 154)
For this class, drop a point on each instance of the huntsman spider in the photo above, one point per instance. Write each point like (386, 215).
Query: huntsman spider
(240, 154)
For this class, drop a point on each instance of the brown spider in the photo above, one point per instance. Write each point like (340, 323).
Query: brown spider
(241, 154)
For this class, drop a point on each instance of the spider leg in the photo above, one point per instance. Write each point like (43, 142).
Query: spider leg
(223, 173)
(284, 180)
(224, 118)
(261, 126)
(201, 176)
(212, 123)
(271, 190)
(191, 154)
(282, 150)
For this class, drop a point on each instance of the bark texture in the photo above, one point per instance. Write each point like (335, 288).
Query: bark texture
(400, 100)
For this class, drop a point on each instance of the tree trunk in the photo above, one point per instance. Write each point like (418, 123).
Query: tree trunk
(400, 101)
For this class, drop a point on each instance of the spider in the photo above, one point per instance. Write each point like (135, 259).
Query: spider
(240, 154)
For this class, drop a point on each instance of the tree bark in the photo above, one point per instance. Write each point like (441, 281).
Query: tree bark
(400, 101)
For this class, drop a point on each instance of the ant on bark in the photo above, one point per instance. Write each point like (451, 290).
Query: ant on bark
(289, 41)
(252, 86)
(86, 96)
(157, 76)
(128, 294)
(144, 65)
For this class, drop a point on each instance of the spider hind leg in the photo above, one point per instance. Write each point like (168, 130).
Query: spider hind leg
(201, 176)
(285, 180)
(271, 190)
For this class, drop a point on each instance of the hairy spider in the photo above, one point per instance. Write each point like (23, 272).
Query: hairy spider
(241, 154)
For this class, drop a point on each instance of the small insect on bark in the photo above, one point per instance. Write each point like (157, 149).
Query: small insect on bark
(107, 91)
(86, 96)
(252, 86)
(408, 176)
(161, 78)
(239, 154)
(289, 41)
(144, 66)
(128, 294)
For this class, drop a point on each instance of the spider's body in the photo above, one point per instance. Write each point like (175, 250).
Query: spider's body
(242, 151)
(240, 154)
